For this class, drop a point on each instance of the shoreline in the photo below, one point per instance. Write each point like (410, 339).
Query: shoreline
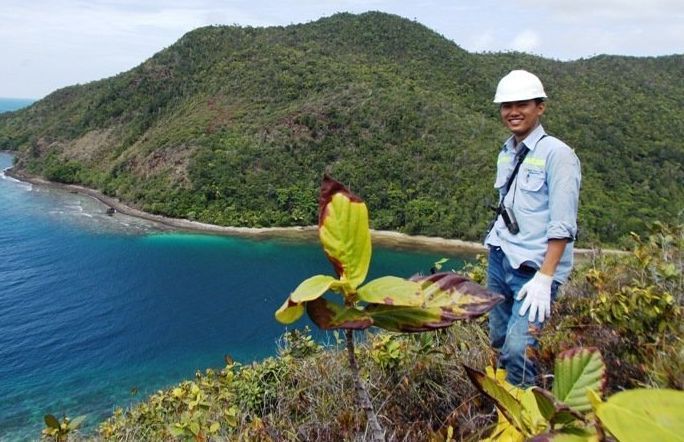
(385, 238)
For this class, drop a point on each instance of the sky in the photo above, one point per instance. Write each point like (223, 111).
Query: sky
(49, 44)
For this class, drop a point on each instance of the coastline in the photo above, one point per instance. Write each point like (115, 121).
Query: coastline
(385, 238)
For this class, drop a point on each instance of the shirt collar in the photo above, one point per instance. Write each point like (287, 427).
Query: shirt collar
(530, 141)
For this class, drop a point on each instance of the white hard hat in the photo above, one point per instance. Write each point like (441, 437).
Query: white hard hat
(519, 86)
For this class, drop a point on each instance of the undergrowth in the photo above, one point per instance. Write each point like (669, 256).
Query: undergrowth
(306, 393)
(630, 307)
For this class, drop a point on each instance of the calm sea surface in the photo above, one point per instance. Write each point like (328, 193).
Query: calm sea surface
(10, 104)
(93, 307)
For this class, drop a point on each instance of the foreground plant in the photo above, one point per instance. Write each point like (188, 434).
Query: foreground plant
(421, 304)
(60, 431)
(574, 411)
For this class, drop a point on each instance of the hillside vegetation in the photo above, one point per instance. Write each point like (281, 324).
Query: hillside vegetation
(236, 125)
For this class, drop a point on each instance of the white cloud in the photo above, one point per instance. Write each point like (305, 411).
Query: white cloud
(47, 44)
(526, 41)
(611, 10)
(480, 42)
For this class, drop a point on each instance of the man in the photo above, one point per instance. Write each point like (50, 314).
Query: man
(531, 241)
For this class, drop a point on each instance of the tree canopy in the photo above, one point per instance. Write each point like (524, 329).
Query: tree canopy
(236, 126)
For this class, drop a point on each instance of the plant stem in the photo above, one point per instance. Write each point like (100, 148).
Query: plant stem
(377, 433)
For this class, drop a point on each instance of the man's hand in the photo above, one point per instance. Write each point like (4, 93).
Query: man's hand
(538, 291)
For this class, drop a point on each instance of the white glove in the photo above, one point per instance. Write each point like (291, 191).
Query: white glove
(538, 291)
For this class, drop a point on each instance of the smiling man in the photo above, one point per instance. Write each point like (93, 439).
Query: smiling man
(531, 240)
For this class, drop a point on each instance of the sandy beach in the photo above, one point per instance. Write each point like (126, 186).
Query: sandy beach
(383, 238)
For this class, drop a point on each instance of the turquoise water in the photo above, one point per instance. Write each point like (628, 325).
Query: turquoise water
(10, 104)
(93, 307)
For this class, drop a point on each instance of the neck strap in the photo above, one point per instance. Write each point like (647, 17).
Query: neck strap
(520, 156)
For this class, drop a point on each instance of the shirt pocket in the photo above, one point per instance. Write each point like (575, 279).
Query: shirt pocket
(533, 196)
(532, 180)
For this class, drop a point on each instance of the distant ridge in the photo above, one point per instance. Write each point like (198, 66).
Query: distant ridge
(235, 126)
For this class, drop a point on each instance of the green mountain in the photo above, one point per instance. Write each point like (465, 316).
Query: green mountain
(236, 125)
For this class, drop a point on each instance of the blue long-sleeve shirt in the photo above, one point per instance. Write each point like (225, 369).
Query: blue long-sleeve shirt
(544, 197)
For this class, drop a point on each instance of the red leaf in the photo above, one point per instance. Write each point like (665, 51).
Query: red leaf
(330, 187)
(328, 315)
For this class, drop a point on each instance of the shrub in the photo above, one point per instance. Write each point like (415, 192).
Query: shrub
(629, 306)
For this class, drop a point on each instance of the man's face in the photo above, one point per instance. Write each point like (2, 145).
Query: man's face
(521, 117)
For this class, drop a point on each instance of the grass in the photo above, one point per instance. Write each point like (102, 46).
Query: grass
(306, 393)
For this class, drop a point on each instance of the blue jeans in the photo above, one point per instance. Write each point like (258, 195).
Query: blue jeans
(511, 334)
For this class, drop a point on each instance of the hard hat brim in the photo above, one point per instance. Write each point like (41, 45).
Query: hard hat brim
(513, 98)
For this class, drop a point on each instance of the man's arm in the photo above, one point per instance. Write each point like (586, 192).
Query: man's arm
(563, 180)
(538, 289)
(554, 252)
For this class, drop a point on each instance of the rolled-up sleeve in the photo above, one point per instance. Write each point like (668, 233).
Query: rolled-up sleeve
(564, 178)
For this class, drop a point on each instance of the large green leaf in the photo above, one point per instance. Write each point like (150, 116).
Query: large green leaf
(312, 288)
(532, 417)
(511, 408)
(552, 410)
(458, 296)
(343, 231)
(391, 290)
(644, 415)
(504, 431)
(329, 315)
(577, 371)
(545, 402)
(289, 312)
(409, 319)
(447, 297)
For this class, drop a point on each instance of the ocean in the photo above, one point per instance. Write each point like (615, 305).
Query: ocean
(10, 104)
(94, 307)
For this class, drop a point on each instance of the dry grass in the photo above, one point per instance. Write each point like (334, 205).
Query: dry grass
(418, 392)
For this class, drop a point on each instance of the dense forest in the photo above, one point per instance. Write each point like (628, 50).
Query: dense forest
(236, 125)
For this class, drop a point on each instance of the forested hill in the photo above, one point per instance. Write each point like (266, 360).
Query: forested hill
(236, 125)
